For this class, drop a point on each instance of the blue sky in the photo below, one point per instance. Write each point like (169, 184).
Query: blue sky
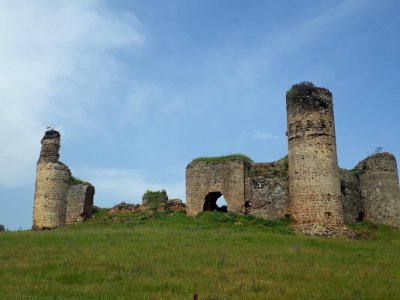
(140, 88)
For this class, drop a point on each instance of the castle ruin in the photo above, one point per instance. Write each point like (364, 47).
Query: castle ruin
(307, 185)
(59, 198)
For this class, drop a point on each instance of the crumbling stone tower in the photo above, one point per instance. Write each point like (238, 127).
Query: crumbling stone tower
(51, 186)
(314, 186)
(379, 186)
(58, 198)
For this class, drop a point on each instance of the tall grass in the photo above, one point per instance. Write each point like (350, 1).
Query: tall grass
(221, 256)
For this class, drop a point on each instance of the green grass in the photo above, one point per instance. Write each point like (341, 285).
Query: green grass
(222, 158)
(167, 255)
(75, 180)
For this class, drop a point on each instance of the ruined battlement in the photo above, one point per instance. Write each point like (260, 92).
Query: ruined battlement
(50, 147)
(381, 162)
(307, 185)
(379, 188)
(304, 98)
(209, 179)
(309, 111)
(57, 201)
(79, 203)
(244, 184)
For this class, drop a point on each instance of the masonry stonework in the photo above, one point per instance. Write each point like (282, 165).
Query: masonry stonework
(353, 207)
(207, 181)
(51, 189)
(307, 185)
(379, 186)
(269, 189)
(76, 209)
(252, 188)
(314, 186)
(56, 200)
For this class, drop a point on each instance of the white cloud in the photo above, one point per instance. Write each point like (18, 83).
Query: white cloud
(115, 185)
(267, 136)
(57, 59)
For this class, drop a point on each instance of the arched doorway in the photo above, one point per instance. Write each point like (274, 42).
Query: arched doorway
(215, 201)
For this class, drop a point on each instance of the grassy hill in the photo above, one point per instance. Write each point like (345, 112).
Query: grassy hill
(168, 255)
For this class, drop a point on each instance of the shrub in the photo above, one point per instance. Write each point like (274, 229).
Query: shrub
(155, 199)
(2, 228)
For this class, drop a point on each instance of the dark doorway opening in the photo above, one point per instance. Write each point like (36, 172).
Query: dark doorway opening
(214, 201)
(360, 216)
(247, 207)
(343, 188)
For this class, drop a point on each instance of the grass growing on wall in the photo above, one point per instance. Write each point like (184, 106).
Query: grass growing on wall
(75, 180)
(167, 255)
(222, 158)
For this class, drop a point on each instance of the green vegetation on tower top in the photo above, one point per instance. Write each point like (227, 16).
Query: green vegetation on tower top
(222, 158)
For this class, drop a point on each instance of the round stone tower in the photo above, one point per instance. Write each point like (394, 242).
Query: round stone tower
(314, 185)
(379, 185)
(51, 186)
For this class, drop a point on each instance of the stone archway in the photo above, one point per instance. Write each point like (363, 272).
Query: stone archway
(210, 202)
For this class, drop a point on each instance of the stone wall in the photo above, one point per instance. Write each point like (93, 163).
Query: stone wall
(208, 178)
(76, 209)
(353, 208)
(259, 189)
(379, 185)
(314, 186)
(269, 189)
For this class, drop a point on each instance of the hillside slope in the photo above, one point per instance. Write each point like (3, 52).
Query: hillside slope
(168, 255)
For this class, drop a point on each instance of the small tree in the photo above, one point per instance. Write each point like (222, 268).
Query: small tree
(2, 228)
